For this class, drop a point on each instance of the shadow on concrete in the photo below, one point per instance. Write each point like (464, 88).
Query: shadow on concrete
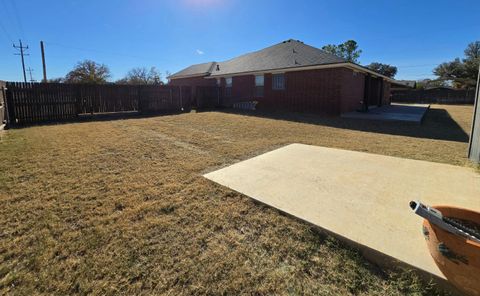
(437, 124)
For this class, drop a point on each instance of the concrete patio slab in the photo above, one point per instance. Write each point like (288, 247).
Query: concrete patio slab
(359, 196)
(394, 112)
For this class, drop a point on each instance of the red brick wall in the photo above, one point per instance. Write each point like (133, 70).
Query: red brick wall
(243, 88)
(323, 91)
(193, 81)
(352, 90)
(311, 91)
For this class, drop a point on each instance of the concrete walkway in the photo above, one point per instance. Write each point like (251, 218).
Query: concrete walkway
(395, 112)
(359, 196)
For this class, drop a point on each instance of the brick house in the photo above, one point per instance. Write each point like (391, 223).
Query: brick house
(291, 76)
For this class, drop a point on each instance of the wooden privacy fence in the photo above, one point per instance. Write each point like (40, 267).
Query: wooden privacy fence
(3, 109)
(208, 96)
(434, 96)
(29, 103)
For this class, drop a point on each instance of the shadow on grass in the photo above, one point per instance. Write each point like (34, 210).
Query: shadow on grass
(437, 124)
(96, 117)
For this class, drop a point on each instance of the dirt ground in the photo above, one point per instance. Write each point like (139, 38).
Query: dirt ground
(120, 207)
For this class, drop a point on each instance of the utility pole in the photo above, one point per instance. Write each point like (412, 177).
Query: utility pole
(43, 62)
(30, 70)
(22, 54)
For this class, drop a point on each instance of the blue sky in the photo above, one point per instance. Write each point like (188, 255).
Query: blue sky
(172, 34)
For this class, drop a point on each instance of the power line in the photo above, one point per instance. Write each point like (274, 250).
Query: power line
(6, 32)
(11, 20)
(22, 53)
(100, 51)
(417, 66)
(17, 17)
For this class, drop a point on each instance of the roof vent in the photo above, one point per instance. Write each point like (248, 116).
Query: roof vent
(218, 67)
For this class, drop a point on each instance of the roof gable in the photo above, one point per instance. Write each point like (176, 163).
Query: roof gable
(195, 70)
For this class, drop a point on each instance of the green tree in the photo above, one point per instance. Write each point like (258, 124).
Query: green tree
(142, 76)
(384, 69)
(428, 83)
(347, 50)
(89, 72)
(462, 73)
(56, 80)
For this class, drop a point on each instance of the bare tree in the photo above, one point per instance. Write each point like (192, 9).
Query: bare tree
(141, 75)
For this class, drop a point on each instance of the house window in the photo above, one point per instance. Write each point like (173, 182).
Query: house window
(259, 79)
(278, 81)
(228, 82)
(228, 86)
(219, 81)
(259, 82)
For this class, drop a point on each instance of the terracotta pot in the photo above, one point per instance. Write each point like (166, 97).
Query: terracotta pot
(457, 257)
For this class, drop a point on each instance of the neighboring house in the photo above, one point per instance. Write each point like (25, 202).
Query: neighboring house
(291, 76)
(403, 85)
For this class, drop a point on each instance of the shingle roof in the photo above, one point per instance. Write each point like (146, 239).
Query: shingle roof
(194, 70)
(287, 54)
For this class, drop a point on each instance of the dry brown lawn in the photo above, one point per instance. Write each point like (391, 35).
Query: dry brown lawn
(120, 207)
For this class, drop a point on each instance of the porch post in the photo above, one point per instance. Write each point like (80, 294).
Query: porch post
(382, 90)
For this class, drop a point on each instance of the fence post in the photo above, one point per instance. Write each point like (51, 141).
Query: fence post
(3, 107)
(181, 99)
(9, 105)
(78, 99)
(140, 99)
